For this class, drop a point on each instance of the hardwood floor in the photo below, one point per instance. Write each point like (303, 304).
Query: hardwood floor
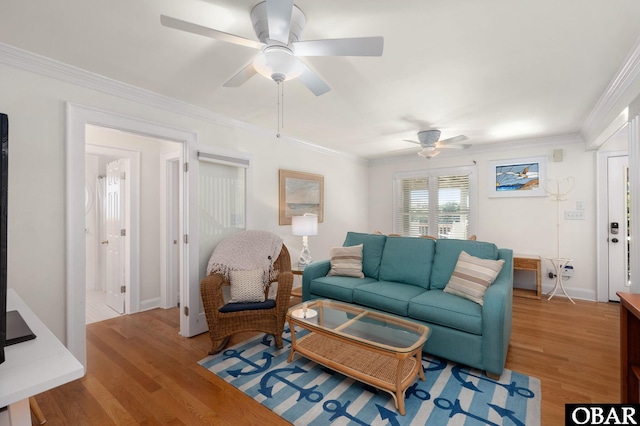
(140, 371)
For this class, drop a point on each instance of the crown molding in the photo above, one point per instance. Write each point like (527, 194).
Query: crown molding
(627, 75)
(41, 65)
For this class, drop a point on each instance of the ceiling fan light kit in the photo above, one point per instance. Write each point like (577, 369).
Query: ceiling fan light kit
(431, 143)
(278, 63)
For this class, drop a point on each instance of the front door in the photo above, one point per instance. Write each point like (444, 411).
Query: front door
(115, 234)
(618, 225)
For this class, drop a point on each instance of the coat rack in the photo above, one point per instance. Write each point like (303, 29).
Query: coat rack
(558, 189)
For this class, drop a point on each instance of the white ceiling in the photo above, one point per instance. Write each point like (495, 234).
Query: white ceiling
(494, 70)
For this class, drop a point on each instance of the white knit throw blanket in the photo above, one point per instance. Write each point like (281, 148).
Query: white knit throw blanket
(245, 251)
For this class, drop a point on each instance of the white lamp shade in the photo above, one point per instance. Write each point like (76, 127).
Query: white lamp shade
(304, 225)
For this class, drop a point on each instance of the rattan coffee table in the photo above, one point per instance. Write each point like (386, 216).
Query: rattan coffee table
(382, 350)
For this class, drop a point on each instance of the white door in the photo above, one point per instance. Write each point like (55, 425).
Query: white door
(173, 258)
(618, 217)
(114, 221)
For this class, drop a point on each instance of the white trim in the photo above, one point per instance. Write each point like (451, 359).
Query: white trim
(132, 221)
(148, 304)
(627, 74)
(168, 295)
(42, 65)
(602, 231)
(634, 189)
(77, 117)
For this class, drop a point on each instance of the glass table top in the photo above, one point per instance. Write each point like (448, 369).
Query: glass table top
(360, 324)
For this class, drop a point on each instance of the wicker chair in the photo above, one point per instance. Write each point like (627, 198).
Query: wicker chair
(271, 321)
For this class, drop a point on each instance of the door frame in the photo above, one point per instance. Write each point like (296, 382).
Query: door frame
(168, 296)
(602, 224)
(131, 218)
(77, 117)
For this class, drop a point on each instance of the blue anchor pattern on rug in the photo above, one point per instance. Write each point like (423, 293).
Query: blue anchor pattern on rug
(310, 394)
(341, 408)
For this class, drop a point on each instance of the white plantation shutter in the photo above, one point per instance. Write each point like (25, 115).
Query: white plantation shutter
(453, 207)
(412, 206)
(435, 202)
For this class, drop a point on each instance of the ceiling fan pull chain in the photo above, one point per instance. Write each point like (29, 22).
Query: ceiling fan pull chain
(278, 96)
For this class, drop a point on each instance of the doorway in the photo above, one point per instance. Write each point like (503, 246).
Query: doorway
(613, 244)
(98, 244)
(618, 225)
(122, 250)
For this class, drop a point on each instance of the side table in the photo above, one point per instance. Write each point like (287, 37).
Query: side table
(525, 262)
(297, 291)
(559, 263)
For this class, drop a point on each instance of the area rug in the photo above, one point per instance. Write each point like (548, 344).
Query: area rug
(306, 393)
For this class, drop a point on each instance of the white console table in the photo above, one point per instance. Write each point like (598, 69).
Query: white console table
(32, 367)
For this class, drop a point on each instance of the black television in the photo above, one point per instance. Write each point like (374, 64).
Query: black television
(4, 187)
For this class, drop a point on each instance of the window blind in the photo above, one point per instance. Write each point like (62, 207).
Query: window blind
(436, 203)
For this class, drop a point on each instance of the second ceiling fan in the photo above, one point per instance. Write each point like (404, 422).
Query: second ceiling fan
(431, 143)
(278, 24)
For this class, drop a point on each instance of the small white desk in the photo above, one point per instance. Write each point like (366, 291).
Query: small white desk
(32, 367)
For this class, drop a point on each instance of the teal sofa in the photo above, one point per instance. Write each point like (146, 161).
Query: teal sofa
(406, 277)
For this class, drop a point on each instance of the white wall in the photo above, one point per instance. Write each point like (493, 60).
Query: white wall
(525, 224)
(36, 238)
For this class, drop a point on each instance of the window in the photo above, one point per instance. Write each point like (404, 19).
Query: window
(436, 202)
(223, 187)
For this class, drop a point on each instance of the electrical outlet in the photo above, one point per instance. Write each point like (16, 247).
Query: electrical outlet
(574, 215)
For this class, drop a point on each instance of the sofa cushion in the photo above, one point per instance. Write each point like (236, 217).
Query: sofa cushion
(472, 277)
(373, 244)
(386, 296)
(346, 261)
(449, 310)
(337, 288)
(446, 257)
(407, 260)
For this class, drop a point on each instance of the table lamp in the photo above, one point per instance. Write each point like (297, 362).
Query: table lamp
(304, 226)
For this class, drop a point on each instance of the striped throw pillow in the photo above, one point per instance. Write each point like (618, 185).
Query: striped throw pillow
(346, 261)
(472, 277)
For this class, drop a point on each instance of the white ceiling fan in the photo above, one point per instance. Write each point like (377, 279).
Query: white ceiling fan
(278, 24)
(431, 145)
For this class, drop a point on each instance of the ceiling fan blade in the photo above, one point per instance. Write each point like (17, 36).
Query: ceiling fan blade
(433, 154)
(452, 146)
(359, 46)
(190, 27)
(313, 82)
(407, 140)
(279, 19)
(455, 139)
(241, 76)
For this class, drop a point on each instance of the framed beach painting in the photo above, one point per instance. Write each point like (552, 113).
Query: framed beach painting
(300, 193)
(519, 177)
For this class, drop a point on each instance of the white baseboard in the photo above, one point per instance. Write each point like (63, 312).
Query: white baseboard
(148, 304)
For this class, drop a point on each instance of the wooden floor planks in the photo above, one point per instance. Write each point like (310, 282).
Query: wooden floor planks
(141, 371)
